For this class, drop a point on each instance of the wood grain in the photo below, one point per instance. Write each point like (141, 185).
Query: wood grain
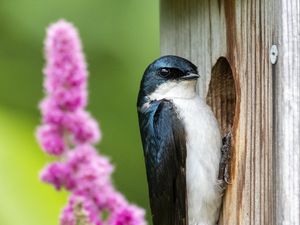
(242, 31)
(287, 114)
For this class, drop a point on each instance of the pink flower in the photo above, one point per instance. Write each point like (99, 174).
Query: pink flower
(83, 171)
(68, 132)
(83, 127)
(89, 170)
(51, 139)
(68, 215)
(128, 215)
(54, 174)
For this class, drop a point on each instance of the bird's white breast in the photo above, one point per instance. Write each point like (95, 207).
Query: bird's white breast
(202, 163)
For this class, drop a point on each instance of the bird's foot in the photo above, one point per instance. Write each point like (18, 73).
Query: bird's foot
(225, 158)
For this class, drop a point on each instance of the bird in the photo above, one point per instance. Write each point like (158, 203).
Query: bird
(181, 140)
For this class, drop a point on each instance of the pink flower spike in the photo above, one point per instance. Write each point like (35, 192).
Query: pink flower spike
(68, 132)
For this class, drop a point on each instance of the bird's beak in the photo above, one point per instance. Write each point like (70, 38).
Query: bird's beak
(190, 76)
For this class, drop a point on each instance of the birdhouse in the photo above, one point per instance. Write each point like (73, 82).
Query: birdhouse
(248, 56)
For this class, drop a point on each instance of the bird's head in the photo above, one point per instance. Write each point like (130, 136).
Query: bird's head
(169, 77)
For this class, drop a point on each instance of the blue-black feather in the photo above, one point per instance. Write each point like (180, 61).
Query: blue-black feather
(163, 138)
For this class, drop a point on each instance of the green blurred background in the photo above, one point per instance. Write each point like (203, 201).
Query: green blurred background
(120, 38)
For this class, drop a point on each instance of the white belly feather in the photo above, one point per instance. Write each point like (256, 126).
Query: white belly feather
(203, 157)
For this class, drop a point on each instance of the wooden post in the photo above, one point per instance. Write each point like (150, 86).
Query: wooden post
(230, 41)
(286, 75)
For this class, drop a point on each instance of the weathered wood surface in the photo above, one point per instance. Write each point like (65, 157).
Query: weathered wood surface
(287, 114)
(242, 31)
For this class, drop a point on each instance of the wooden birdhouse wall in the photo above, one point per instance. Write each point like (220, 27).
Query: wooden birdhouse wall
(230, 41)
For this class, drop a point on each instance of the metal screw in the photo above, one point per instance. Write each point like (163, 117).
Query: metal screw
(273, 54)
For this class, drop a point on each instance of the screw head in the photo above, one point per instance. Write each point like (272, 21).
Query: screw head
(273, 54)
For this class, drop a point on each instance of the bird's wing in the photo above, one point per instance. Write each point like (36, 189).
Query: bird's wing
(164, 143)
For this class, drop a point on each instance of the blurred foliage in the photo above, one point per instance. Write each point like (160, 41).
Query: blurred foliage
(120, 39)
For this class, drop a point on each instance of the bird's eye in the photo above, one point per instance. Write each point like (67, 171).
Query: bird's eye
(164, 72)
